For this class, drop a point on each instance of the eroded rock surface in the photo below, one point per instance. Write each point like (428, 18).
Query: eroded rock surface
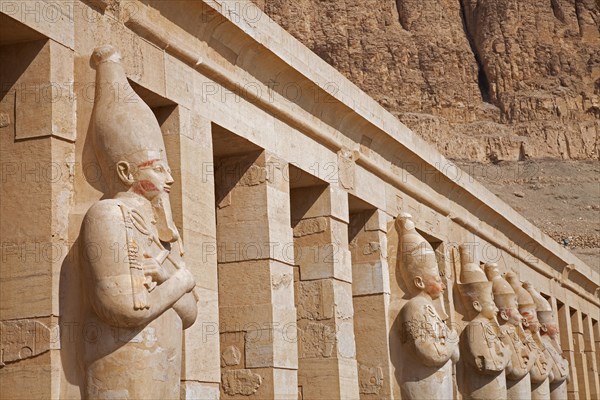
(480, 79)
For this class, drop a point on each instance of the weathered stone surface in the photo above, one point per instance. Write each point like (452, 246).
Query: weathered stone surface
(481, 79)
(21, 339)
(370, 379)
(240, 381)
(231, 355)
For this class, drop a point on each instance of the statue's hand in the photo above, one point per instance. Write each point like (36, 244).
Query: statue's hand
(154, 270)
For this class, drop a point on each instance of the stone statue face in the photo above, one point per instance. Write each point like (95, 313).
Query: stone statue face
(152, 178)
(488, 309)
(434, 286)
(514, 316)
(530, 315)
(551, 329)
(510, 313)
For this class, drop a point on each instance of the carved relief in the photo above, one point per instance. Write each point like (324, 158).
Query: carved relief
(231, 356)
(24, 338)
(370, 379)
(145, 295)
(429, 346)
(240, 381)
(482, 348)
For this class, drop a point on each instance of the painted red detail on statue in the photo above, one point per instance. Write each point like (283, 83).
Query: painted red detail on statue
(145, 186)
(148, 163)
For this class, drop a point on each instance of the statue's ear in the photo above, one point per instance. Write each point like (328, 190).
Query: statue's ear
(543, 328)
(418, 281)
(503, 315)
(477, 306)
(125, 173)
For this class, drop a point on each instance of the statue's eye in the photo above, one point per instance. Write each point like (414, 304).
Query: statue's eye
(159, 169)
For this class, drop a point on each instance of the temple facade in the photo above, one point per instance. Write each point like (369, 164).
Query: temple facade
(298, 205)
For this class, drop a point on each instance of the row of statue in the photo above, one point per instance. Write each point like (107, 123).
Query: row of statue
(509, 348)
(140, 303)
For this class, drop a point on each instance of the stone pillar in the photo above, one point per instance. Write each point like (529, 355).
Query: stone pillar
(326, 347)
(188, 143)
(580, 356)
(256, 293)
(371, 300)
(37, 153)
(596, 331)
(590, 353)
(568, 348)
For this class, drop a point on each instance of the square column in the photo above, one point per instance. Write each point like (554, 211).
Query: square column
(323, 281)
(591, 356)
(580, 355)
(567, 341)
(188, 143)
(371, 299)
(256, 295)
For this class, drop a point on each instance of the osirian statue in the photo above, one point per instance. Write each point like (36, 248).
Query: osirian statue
(549, 335)
(138, 287)
(518, 384)
(429, 347)
(485, 355)
(541, 368)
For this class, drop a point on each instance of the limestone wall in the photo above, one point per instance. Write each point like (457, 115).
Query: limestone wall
(288, 178)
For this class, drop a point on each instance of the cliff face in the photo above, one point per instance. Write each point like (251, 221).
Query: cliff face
(480, 79)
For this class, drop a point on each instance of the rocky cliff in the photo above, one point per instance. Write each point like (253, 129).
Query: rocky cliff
(481, 79)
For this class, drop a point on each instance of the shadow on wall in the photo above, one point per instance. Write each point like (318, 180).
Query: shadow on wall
(72, 306)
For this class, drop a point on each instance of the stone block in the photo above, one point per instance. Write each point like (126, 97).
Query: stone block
(282, 284)
(201, 341)
(285, 383)
(259, 348)
(179, 81)
(315, 299)
(377, 221)
(243, 382)
(239, 318)
(245, 283)
(370, 278)
(52, 19)
(232, 354)
(338, 199)
(324, 261)
(191, 390)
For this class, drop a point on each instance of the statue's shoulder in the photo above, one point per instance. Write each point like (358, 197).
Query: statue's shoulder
(108, 210)
(417, 306)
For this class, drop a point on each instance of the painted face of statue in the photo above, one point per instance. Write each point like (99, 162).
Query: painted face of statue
(514, 316)
(551, 329)
(434, 286)
(152, 178)
(530, 316)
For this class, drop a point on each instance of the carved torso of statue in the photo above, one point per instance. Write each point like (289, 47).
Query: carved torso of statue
(132, 351)
(560, 368)
(541, 368)
(428, 346)
(522, 359)
(540, 387)
(518, 382)
(486, 358)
